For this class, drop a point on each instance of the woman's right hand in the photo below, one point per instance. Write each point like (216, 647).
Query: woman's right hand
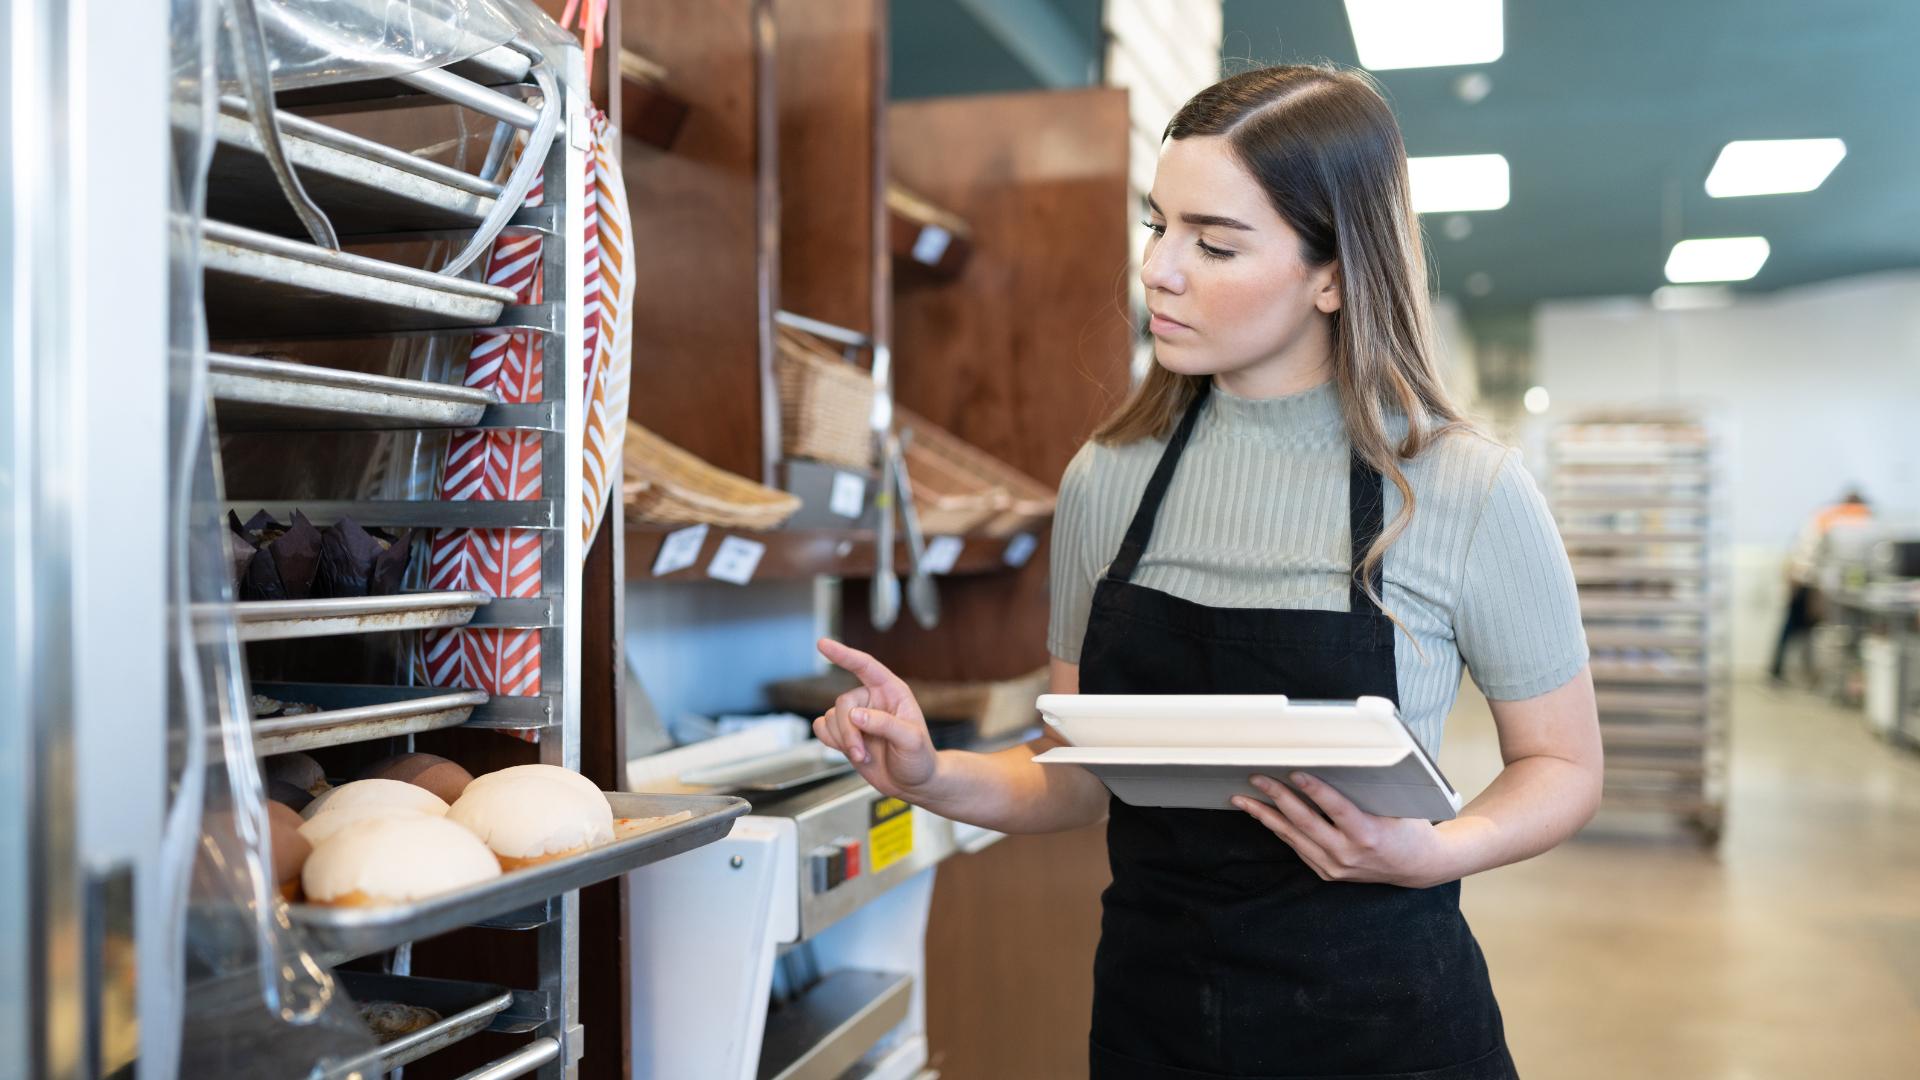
(879, 726)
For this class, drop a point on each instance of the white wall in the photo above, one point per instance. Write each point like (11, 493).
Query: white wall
(1817, 388)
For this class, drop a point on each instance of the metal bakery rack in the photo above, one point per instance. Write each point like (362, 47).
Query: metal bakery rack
(1637, 498)
(265, 281)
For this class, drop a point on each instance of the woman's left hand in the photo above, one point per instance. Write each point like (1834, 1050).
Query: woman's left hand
(1354, 845)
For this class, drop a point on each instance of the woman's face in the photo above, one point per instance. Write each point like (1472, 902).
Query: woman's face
(1225, 281)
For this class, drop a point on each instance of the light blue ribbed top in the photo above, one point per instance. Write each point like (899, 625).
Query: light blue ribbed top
(1257, 517)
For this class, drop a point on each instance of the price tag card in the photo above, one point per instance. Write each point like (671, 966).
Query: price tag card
(679, 550)
(942, 552)
(849, 498)
(1020, 549)
(736, 560)
(931, 244)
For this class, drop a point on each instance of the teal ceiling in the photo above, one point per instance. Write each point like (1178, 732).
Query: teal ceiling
(1610, 115)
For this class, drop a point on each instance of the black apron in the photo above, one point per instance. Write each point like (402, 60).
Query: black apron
(1221, 953)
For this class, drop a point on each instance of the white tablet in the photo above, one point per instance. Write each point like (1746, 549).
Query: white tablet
(1196, 751)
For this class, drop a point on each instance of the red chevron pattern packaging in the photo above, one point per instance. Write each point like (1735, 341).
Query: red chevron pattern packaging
(488, 466)
(505, 465)
(608, 343)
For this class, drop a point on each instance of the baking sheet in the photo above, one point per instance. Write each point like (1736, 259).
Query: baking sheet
(340, 933)
(261, 284)
(256, 394)
(407, 711)
(277, 620)
(363, 186)
(465, 1009)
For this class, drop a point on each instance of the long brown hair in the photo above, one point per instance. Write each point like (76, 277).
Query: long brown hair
(1323, 144)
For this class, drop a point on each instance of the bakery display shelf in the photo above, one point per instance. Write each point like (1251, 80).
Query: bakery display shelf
(1634, 771)
(1605, 671)
(803, 554)
(1632, 539)
(260, 284)
(1691, 638)
(343, 933)
(278, 620)
(465, 1009)
(1692, 700)
(350, 714)
(401, 513)
(361, 185)
(1623, 735)
(1609, 606)
(1589, 572)
(1630, 502)
(252, 393)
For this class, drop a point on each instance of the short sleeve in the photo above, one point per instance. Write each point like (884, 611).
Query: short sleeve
(1517, 620)
(1075, 567)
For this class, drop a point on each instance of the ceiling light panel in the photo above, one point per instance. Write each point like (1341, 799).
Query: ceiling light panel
(1425, 33)
(1773, 166)
(1726, 258)
(1458, 182)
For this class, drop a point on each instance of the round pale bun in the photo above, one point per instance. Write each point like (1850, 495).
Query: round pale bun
(290, 849)
(297, 769)
(548, 772)
(431, 771)
(319, 828)
(391, 793)
(531, 817)
(401, 857)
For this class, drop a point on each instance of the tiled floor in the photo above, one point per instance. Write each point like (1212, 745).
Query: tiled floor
(1792, 951)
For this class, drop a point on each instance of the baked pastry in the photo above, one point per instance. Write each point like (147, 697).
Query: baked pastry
(282, 792)
(431, 771)
(551, 772)
(389, 1020)
(394, 859)
(532, 818)
(389, 793)
(290, 849)
(319, 828)
(297, 769)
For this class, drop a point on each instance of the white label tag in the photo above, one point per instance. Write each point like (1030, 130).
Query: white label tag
(1020, 549)
(931, 244)
(736, 560)
(942, 552)
(849, 494)
(680, 550)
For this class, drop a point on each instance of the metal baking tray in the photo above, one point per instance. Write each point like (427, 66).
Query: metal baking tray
(261, 284)
(808, 763)
(363, 186)
(341, 933)
(465, 1009)
(275, 620)
(351, 714)
(255, 394)
(498, 66)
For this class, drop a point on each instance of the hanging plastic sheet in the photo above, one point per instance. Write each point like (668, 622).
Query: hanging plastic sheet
(321, 42)
(251, 1001)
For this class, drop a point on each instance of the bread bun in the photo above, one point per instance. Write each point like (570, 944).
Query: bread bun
(297, 769)
(547, 772)
(393, 859)
(389, 793)
(532, 818)
(444, 778)
(290, 849)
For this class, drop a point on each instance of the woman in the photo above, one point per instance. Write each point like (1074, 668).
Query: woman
(1232, 530)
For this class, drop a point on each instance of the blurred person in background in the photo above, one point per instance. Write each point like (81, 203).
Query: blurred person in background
(1802, 564)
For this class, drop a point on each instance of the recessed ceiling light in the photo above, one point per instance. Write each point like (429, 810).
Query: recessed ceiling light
(1773, 166)
(1685, 297)
(1425, 33)
(1537, 400)
(1459, 182)
(1479, 283)
(1726, 258)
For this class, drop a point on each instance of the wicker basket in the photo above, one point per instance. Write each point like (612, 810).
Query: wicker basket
(666, 485)
(959, 488)
(826, 404)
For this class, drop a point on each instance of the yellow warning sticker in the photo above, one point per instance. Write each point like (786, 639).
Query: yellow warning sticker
(889, 833)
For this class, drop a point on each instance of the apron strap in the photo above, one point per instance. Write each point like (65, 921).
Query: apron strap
(1366, 510)
(1141, 528)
